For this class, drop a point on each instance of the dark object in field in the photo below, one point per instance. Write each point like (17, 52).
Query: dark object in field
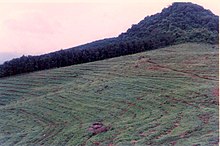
(97, 128)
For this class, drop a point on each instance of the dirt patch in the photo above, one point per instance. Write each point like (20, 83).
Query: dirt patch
(145, 134)
(98, 127)
(173, 143)
(156, 68)
(133, 142)
(216, 91)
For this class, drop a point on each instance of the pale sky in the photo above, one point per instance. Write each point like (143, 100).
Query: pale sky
(42, 26)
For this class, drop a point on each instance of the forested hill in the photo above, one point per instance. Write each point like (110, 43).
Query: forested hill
(180, 22)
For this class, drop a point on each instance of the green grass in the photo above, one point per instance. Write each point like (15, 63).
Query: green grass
(167, 96)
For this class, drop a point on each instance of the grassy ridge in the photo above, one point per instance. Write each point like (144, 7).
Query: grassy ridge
(166, 96)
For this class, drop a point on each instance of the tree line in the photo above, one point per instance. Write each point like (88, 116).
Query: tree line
(68, 57)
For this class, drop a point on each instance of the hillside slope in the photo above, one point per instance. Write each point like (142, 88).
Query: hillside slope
(160, 97)
(180, 22)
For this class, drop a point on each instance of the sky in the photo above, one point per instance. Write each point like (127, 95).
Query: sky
(42, 26)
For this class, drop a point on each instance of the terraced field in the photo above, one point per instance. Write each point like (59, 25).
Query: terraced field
(167, 96)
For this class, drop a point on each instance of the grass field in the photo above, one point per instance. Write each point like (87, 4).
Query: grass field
(167, 96)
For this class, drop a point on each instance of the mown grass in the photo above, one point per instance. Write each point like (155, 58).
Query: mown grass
(167, 96)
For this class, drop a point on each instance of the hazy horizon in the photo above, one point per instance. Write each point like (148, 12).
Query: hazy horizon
(39, 28)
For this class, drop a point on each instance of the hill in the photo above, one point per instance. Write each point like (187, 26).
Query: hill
(167, 96)
(179, 23)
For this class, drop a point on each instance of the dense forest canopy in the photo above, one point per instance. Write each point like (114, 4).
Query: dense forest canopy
(179, 23)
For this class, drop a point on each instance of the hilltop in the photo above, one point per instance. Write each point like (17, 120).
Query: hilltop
(179, 23)
(167, 96)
